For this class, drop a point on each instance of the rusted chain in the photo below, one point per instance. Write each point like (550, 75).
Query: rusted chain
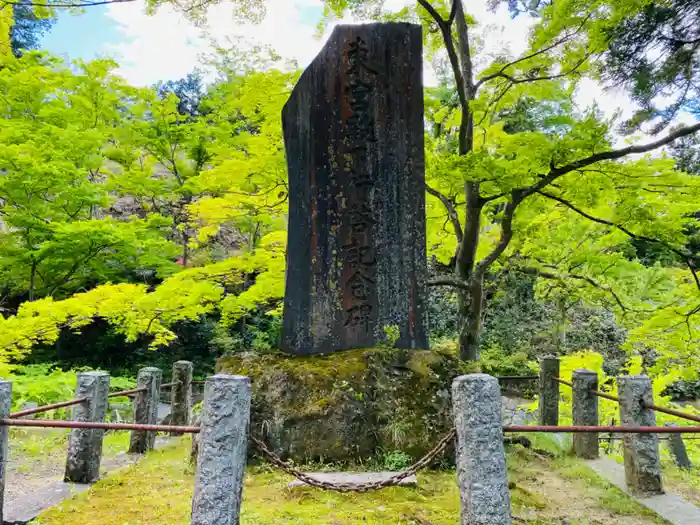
(619, 429)
(124, 393)
(46, 408)
(356, 487)
(98, 425)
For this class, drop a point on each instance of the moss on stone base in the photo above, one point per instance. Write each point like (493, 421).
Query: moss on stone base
(351, 405)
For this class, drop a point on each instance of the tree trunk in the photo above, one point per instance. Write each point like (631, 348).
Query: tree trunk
(470, 330)
(32, 280)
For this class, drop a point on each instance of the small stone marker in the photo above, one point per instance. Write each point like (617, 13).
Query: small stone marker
(676, 447)
(353, 131)
(481, 461)
(181, 393)
(222, 449)
(548, 410)
(641, 451)
(585, 413)
(355, 478)
(146, 409)
(85, 444)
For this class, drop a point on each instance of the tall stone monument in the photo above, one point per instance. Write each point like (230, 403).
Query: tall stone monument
(353, 131)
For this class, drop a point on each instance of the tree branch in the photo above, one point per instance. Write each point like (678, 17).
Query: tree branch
(540, 51)
(548, 275)
(688, 258)
(506, 234)
(451, 212)
(523, 80)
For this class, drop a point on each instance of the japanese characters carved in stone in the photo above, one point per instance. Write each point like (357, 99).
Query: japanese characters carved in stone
(353, 130)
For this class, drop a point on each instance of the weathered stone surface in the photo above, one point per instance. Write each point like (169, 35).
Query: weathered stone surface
(5, 406)
(349, 406)
(181, 393)
(641, 451)
(146, 409)
(585, 412)
(356, 478)
(481, 460)
(353, 130)
(548, 411)
(222, 451)
(85, 445)
(676, 447)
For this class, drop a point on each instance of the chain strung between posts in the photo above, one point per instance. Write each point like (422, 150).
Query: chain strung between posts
(356, 487)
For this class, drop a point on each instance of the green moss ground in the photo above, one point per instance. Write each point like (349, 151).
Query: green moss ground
(158, 491)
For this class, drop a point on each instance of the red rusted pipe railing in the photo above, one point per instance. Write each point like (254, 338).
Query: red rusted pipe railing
(46, 408)
(90, 424)
(671, 412)
(597, 393)
(198, 382)
(127, 392)
(622, 430)
(563, 382)
(166, 385)
(650, 406)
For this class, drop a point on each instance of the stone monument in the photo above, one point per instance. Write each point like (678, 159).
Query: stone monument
(353, 132)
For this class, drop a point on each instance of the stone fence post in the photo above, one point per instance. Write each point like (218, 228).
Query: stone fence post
(585, 413)
(85, 444)
(676, 448)
(146, 409)
(5, 406)
(222, 451)
(481, 461)
(181, 393)
(641, 451)
(548, 413)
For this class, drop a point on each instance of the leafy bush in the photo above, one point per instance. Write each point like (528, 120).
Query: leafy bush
(497, 362)
(396, 460)
(46, 384)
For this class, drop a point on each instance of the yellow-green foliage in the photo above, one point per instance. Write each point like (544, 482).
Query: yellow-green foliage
(6, 21)
(608, 411)
(135, 311)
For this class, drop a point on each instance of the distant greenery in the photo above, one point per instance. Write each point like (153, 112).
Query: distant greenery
(46, 384)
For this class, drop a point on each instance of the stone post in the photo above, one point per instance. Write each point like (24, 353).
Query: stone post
(181, 393)
(641, 451)
(481, 461)
(85, 444)
(146, 409)
(585, 413)
(676, 447)
(549, 391)
(222, 450)
(5, 406)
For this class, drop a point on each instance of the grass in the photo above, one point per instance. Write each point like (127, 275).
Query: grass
(158, 491)
(40, 444)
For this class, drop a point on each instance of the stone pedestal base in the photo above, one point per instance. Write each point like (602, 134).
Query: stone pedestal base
(349, 405)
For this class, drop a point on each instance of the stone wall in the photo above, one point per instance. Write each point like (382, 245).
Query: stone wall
(350, 405)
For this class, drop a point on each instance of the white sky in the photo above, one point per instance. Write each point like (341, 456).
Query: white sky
(166, 46)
